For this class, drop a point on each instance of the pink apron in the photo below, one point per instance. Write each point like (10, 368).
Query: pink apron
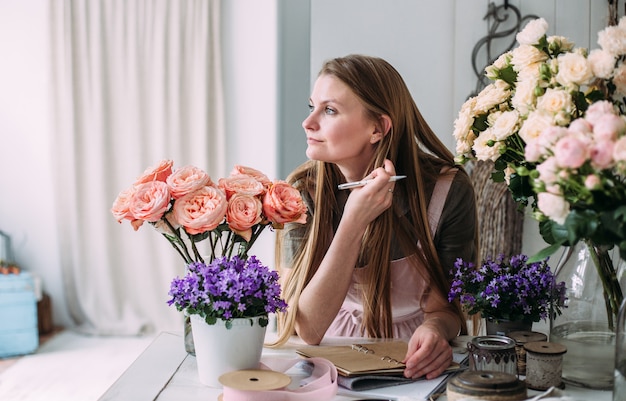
(407, 286)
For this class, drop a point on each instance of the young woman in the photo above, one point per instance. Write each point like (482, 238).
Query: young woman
(374, 260)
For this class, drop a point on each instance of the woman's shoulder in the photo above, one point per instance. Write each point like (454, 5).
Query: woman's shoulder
(462, 180)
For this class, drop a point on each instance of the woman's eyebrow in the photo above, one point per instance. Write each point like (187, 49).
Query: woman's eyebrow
(327, 101)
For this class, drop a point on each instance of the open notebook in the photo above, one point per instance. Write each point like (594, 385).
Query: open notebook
(359, 359)
(367, 365)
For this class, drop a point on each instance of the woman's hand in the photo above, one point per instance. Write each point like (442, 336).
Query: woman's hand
(369, 201)
(429, 353)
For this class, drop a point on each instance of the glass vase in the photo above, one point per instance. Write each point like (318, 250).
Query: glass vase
(188, 336)
(619, 386)
(187, 330)
(594, 278)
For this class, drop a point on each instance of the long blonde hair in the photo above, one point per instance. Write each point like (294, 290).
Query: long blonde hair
(417, 153)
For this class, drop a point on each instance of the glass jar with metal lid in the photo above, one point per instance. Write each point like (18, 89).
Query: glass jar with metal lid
(493, 353)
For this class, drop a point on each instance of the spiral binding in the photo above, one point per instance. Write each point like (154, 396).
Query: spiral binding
(365, 350)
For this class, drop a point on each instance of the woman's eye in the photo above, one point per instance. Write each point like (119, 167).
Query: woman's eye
(330, 110)
(311, 108)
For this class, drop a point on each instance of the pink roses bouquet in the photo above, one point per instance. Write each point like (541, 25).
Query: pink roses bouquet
(187, 207)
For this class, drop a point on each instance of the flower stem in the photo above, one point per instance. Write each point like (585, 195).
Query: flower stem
(181, 248)
(227, 246)
(258, 229)
(177, 249)
(613, 295)
(195, 249)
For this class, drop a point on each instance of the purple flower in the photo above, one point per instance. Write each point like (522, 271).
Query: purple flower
(507, 288)
(227, 289)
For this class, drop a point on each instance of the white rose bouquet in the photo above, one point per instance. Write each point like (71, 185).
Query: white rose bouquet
(553, 123)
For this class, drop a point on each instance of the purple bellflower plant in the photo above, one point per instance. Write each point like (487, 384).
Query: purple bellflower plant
(228, 289)
(507, 289)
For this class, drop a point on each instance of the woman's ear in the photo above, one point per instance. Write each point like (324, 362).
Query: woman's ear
(383, 127)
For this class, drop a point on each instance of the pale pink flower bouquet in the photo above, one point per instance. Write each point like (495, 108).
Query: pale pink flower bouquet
(188, 207)
(552, 122)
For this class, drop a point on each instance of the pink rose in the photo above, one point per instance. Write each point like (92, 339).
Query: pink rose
(160, 172)
(202, 210)
(243, 212)
(619, 80)
(597, 110)
(592, 182)
(150, 201)
(619, 150)
(609, 127)
(240, 184)
(547, 171)
(553, 206)
(186, 180)
(580, 126)
(601, 154)
(120, 208)
(533, 151)
(550, 135)
(570, 152)
(283, 204)
(256, 174)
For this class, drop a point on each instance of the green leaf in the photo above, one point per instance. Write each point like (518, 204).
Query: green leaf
(580, 102)
(508, 75)
(210, 320)
(499, 165)
(200, 237)
(581, 224)
(520, 188)
(542, 44)
(172, 238)
(620, 214)
(594, 96)
(480, 123)
(228, 324)
(544, 253)
(497, 176)
(553, 233)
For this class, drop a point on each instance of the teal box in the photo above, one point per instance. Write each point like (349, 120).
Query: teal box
(18, 315)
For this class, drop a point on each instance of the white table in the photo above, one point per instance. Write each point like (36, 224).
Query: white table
(165, 372)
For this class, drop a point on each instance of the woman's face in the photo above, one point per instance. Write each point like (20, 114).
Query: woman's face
(339, 130)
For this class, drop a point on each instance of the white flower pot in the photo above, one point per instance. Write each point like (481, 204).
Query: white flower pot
(220, 350)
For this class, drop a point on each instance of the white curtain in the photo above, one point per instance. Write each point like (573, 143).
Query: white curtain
(134, 82)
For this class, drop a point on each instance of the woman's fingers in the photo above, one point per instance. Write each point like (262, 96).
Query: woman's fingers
(431, 365)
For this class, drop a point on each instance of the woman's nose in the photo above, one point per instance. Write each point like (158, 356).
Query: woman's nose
(309, 122)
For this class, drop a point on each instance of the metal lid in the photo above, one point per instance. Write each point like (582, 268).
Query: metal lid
(488, 384)
(493, 343)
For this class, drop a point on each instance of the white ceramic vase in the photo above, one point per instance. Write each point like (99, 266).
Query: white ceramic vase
(220, 350)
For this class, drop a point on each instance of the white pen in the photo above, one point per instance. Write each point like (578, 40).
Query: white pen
(355, 184)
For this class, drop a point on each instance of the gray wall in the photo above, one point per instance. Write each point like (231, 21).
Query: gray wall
(294, 48)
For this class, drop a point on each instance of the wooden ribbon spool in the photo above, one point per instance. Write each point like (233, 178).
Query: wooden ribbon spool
(521, 338)
(544, 362)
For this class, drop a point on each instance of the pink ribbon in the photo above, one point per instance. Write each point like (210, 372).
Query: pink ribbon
(322, 384)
